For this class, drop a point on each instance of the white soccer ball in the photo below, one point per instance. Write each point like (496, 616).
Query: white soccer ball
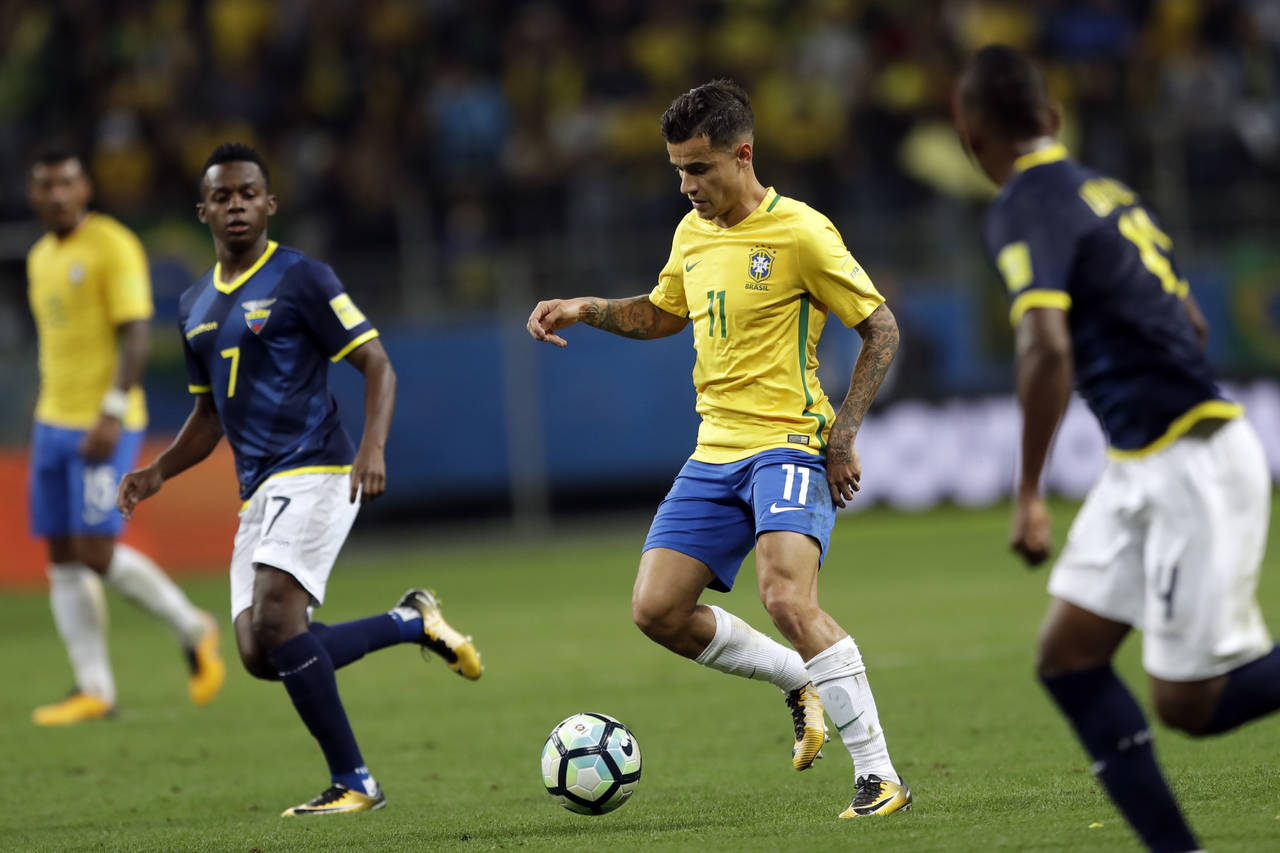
(591, 763)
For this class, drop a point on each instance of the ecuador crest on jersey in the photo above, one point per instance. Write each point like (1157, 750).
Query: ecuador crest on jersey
(256, 312)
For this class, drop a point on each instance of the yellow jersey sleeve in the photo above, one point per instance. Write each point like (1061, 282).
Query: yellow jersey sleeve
(668, 294)
(125, 278)
(833, 276)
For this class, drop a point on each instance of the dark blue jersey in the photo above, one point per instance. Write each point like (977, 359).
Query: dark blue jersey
(262, 344)
(1064, 236)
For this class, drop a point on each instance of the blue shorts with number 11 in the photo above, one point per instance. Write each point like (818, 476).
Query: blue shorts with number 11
(714, 513)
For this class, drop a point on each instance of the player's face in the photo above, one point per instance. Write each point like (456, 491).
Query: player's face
(969, 129)
(59, 194)
(713, 179)
(236, 204)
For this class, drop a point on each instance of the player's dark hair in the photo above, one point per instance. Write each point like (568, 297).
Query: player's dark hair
(234, 152)
(57, 151)
(720, 109)
(1006, 92)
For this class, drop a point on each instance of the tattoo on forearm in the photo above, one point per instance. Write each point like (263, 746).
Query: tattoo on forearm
(879, 345)
(634, 317)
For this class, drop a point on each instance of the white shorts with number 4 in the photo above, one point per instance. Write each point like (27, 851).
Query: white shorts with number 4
(295, 523)
(1171, 543)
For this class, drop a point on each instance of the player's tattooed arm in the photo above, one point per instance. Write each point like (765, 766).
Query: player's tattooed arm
(634, 317)
(879, 333)
(879, 345)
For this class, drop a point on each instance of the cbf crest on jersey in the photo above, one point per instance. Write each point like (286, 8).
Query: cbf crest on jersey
(760, 265)
(256, 312)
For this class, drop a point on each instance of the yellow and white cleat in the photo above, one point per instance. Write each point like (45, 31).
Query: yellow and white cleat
(810, 725)
(76, 708)
(208, 669)
(876, 796)
(438, 636)
(339, 799)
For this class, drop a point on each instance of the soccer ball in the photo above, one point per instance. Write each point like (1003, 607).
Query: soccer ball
(591, 763)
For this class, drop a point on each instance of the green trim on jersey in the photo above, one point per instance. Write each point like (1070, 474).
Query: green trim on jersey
(804, 364)
(776, 198)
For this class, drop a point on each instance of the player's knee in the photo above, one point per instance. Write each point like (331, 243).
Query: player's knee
(789, 610)
(1054, 657)
(657, 620)
(271, 626)
(95, 553)
(257, 664)
(1185, 710)
(651, 621)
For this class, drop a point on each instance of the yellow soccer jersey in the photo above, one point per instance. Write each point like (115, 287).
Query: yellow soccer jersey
(758, 295)
(81, 288)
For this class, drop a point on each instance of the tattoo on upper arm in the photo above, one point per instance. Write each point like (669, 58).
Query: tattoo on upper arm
(634, 317)
(879, 345)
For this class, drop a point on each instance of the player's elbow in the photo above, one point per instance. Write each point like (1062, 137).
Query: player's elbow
(880, 330)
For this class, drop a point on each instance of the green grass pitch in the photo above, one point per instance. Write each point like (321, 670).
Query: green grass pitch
(944, 616)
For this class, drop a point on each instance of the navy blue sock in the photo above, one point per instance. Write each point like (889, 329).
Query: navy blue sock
(1114, 732)
(349, 641)
(307, 673)
(1251, 691)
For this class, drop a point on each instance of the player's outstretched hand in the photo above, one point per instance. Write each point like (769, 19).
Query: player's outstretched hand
(368, 474)
(844, 474)
(136, 487)
(551, 315)
(1032, 532)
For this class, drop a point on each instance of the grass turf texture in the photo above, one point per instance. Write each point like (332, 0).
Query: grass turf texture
(944, 617)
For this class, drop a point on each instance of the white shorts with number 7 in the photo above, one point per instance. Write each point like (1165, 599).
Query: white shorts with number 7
(295, 523)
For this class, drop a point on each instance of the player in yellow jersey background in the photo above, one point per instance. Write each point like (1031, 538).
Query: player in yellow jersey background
(757, 274)
(90, 295)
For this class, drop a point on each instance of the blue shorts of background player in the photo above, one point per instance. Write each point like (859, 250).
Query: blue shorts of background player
(68, 495)
(714, 513)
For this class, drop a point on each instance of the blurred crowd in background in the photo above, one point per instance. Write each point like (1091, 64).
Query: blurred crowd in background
(460, 157)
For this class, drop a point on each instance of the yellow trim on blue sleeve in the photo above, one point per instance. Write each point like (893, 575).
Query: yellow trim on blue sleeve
(1040, 156)
(199, 389)
(228, 287)
(342, 353)
(1202, 411)
(1038, 299)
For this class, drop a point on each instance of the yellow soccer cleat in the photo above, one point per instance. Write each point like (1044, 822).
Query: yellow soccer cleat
(76, 708)
(208, 669)
(439, 637)
(339, 799)
(810, 725)
(876, 796)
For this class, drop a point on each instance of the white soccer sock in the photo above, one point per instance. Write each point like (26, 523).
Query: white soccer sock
(138, 579)
(840, 678)
(80, 612)
(739, 649)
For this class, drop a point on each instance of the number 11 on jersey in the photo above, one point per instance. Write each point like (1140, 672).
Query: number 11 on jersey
(714, 296)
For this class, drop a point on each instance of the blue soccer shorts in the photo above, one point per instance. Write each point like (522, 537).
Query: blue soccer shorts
(714, 513)
(67, 495)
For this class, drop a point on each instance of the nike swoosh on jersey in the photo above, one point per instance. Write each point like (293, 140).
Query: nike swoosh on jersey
(688, 267)
(775, 508)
